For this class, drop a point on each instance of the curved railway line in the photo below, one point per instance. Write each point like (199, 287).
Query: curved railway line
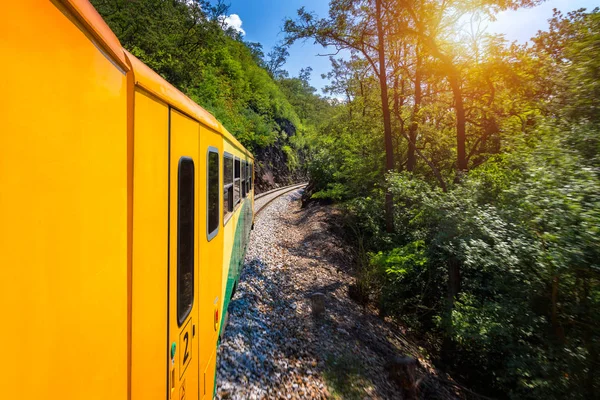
(264, 199)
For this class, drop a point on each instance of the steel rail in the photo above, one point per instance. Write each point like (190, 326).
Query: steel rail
(277, 193)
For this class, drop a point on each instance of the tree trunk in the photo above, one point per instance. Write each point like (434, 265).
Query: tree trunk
(398, 104)
(397, 138)
(362, 95)
(453, 76)
(387, 122)
(461, 134)
(448, 344)
(411, 159)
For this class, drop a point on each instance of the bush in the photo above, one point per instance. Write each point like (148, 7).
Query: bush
(524, 229)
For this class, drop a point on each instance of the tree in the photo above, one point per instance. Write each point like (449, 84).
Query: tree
(501, 269)
(352, 25)
(276, 59)
(428, 20)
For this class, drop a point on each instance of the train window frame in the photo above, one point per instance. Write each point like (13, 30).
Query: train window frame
(228, 188)
(237, 170)
(248, 175)
(210, 235)
(181, 317)
(244, 173)
(251, 176)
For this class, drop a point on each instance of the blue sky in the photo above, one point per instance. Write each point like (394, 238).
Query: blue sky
(262, 21)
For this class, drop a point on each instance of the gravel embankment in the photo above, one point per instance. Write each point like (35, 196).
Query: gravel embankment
(273, 347)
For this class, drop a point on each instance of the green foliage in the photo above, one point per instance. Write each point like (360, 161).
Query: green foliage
(291, 157)
(516, 225)
(398, 270)
(584, 81)
(399, 263)
(334, 191)
(186, 44)
(500, 266)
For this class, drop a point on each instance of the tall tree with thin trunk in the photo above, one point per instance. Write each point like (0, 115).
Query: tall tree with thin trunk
(358, 26)
(385, 106)
(428, 19)
(411, 158)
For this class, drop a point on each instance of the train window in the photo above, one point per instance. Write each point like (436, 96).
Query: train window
(185, 238)
(227, 186)
(244, 172)
(236, 181)
(248, 177)
(212, 193)
(251, 175)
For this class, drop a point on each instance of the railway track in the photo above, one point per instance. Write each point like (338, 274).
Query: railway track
(262, 200)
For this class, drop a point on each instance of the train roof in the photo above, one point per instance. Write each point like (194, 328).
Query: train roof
(87, 15)
(143, 75)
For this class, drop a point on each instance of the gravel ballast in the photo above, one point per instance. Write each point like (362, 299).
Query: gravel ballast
(273, 346)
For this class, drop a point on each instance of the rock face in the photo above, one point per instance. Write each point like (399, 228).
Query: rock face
(272, 168)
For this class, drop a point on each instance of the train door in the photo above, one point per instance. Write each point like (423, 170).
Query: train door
(211, 256)
(185, 169)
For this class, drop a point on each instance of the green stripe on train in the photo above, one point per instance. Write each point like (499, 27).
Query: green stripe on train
(238, 252)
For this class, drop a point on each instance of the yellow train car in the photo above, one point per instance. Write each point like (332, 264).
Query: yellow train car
(125, 211)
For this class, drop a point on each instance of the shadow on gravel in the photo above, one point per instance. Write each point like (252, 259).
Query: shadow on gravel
(249, 348)
(274, 342)
(334, 340)
(332, 287)
(353, 327)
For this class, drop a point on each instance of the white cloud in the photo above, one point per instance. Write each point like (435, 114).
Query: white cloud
(232, 21)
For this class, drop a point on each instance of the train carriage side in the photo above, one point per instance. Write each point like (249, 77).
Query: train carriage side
(64, 203)
(179, 145)
(238, 214)
(116, 252)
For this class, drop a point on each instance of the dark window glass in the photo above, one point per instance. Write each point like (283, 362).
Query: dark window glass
(227, 185)
(185, 238)
(227, 169)
(248, 175)
(251, 175)
(237, 168)
(230, 198)
(236, 181)
(244, 172)
(213, 193)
